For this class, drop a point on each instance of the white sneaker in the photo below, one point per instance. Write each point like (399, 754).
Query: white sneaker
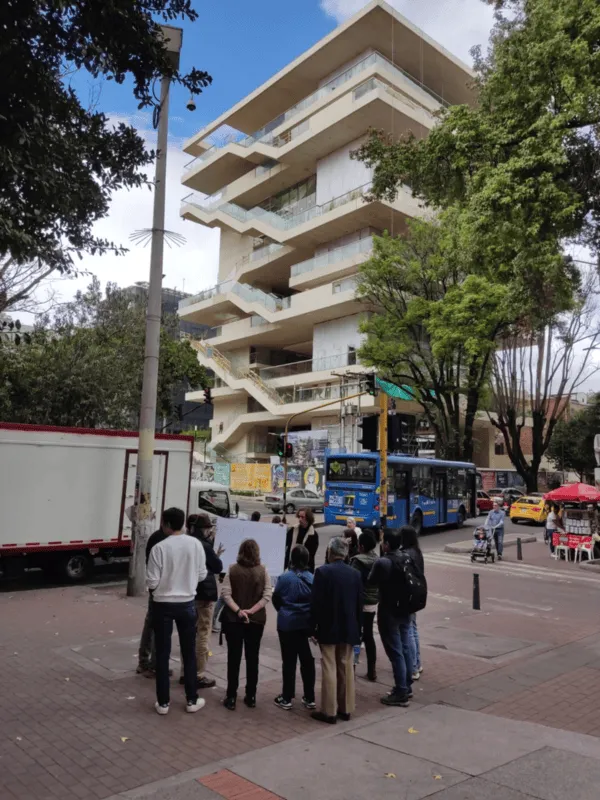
(161, 709)
(416, 675)
(420, 670)
(191, 708)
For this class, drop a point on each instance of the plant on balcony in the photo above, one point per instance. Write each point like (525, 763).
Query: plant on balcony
(84, 367)
(60, 158)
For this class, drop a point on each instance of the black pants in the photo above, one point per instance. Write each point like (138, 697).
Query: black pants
(368, 618)
(242, 636)
(163, 617)
(294, 646)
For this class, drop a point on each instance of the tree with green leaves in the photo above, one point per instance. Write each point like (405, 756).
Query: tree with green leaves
(571, 448)
(432, 327)
(84, 368)
(60, 161)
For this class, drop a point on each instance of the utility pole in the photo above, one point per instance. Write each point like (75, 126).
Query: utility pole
(143, 516)
(383, 442)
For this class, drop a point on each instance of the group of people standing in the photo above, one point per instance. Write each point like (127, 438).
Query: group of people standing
(333, 606)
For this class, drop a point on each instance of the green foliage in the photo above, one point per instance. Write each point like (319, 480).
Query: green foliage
(59, 161)
(433, 326)
(85, 367)
(572, 445)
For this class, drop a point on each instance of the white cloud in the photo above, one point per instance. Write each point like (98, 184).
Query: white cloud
(192, 267)
(458, 25)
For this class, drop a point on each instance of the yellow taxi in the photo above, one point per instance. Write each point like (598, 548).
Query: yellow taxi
(530, 508)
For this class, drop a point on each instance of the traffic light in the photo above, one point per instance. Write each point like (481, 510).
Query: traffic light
(208, 396)
(371, 385)
(280, 446)
(289, 450)
(369, 432)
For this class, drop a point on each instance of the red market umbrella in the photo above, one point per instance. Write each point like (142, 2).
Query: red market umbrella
(574, 493)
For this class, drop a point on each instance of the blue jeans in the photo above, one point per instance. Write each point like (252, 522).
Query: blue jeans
(184, 617)
(395, 637)
(499, 539)
(415, 648)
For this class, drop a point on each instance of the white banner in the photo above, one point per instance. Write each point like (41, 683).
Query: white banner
(270, 539)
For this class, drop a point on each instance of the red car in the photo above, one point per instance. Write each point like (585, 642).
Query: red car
(484, 502)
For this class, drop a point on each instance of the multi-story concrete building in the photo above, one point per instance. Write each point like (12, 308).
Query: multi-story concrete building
(275, 174)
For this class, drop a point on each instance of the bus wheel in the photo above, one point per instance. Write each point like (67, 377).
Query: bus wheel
(460, 518)
(417, 522)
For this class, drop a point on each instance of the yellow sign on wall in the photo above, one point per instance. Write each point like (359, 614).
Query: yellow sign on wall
(250, 478)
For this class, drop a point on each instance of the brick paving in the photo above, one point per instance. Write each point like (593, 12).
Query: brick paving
(70, 728)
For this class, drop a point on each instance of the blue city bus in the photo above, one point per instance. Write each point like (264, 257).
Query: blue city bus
(424, 492)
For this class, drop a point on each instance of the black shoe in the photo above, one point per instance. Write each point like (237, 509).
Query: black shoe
(343, 716)
(371, 676)
(280, 701)
(181, 680)
(396, 700)
(250, 701)
(321, 717)
(206, 683)
(229, 703)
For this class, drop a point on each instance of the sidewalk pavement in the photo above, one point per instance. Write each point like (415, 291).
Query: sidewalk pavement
(77, 723)
(435, 751)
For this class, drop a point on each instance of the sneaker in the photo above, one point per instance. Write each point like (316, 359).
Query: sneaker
(310, 704)
(420, 670)
(206, 683)
(499, 558)
(416, 675)
(198, 703)
(229, 703)
(161, 709)
(396, 700)
(141, 668)
(250, 701)
(283, 703)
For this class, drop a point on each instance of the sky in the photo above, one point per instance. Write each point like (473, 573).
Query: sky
(241, 46)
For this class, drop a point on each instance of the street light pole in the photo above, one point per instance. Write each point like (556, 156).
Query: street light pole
(143, 515)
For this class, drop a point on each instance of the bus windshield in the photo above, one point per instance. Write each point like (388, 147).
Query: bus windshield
(358, 470)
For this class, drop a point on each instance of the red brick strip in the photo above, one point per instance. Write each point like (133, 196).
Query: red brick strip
(232, 787)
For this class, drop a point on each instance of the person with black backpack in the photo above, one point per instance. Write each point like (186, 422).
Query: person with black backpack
(410, 546)
(402, 592)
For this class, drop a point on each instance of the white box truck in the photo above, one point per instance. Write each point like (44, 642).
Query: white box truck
(64, 494)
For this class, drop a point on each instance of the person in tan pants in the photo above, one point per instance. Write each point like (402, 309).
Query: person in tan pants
(336, 610)
(200, 526)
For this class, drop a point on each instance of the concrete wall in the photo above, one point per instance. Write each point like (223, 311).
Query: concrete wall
(349, 238)
(234, 247)
(344, 67)
(334, 337)
(338, 174)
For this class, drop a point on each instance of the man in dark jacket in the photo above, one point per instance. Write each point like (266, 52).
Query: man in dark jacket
(393, 622)
(146, 652)
(336, 609)
(201, 527)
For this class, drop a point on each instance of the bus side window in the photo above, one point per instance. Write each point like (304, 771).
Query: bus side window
(453, 491)
(400, 481)
(427, 483)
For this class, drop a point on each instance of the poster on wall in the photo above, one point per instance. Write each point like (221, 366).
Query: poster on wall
(294, 478)
(250, 478)
(309, 448)
(222, 473)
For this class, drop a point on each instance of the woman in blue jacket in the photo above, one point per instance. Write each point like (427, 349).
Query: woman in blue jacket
(291, 598)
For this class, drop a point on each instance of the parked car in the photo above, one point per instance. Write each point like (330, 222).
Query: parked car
(506, 496)
(530, 509)
(295, 498)
(484, 502)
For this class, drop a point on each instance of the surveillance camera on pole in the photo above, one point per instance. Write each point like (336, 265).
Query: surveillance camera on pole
(191, 104)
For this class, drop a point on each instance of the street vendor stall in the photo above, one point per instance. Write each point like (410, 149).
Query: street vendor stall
(580, 534)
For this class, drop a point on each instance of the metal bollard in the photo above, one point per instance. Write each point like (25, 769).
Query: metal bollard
(476, 594)
(519, 549)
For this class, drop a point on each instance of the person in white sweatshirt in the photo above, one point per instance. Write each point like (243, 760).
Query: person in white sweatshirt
(175, 568)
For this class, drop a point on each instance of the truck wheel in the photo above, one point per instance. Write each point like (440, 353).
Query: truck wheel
(417, 522)
(76, 567)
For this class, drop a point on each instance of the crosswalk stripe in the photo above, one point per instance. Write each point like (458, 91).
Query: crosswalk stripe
(462, 561)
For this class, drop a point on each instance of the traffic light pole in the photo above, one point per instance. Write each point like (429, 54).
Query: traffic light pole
(383, 442)
(285, 439)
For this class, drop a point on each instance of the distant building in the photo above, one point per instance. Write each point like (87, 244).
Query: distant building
(193, 415)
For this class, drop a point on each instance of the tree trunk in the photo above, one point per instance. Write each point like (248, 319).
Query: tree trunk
(470, 412)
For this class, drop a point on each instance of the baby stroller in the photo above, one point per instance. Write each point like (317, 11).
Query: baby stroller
(484, 546)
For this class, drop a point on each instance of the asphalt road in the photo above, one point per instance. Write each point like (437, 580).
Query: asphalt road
(432, 541)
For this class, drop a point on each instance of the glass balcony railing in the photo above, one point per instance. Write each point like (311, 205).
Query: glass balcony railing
(251, 294)
(333, 256)
(300, 394)
(310, 365)
(265, 136)
(278, 220)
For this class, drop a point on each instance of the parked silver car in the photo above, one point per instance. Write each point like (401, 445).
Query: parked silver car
(295, 499)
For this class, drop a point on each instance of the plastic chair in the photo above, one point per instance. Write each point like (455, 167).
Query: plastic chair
(561, 548)
(587, 548)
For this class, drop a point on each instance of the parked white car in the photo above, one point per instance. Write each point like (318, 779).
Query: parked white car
(295, 499)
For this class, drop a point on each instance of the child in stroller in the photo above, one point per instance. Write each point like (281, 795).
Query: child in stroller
(483, 545)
